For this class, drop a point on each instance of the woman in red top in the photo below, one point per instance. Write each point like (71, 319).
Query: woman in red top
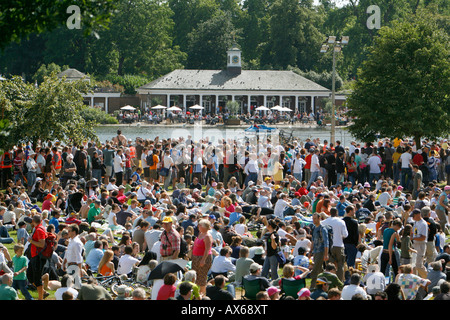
(351, 169)
(201, 254)
(36, 264)
(168, 289)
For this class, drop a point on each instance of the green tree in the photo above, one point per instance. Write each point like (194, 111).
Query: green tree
(51, 111)
(209, 42)
(141, 34)
(20, 18)
(403, 87)
(47, 70)
(187, 16)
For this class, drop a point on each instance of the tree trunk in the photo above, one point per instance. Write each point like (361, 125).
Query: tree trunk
(417, 140)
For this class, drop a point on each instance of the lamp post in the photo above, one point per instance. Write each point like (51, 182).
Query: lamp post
(336, 47)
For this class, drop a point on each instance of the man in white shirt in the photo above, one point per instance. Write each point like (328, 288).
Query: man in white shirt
(280, 205)
(337, 254)
(384, 198)
(264, 198)
(406, 172)
(223, 264)
(419, 238)
(127, 262)
(374, 163)
(353, 288)
(152, 236)
(73, 258)
(118, 167)
(297, 166)
(251, 169)
(315, 167)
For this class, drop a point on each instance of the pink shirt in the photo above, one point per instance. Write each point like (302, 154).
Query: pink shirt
(199, 247)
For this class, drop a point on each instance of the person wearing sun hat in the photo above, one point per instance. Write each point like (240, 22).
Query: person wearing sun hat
(321, 290)
(274, 293)
(170, 240)
(304, 294)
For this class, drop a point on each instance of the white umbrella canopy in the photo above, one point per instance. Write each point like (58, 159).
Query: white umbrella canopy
(196, 107)
(174, 108)
(286, 109)
(262, 108)
(128, 108)
(278, 108)
(159, 107)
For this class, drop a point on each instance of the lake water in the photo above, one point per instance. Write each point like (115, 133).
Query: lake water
(213, 133)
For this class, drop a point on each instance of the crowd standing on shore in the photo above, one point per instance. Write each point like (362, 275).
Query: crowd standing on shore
(306, 220)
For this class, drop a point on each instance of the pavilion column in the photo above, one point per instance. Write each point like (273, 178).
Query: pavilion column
(249, 101)
(296, 104)
(217, 104)
(106, 104)
(92, 101)
(281, 101)
(201, 103)
(265, 100)
(184, 102)
(313, 106)
(168, 101)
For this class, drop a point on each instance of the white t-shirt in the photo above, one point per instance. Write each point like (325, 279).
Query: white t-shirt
(240, 228)
(279, 208)
(405, 159)
(339, 230)
(384, 198)
(315, 165)
(59, 292)
(350, 290)
(126, 263)
(118, 163)
(304, 243)
(374, 162)
(151, 237)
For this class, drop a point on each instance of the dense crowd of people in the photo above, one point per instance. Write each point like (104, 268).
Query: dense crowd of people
(309, 220)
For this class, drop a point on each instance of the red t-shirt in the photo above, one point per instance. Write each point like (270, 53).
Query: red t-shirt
(308, 161)
(38, 234)
(166, 291)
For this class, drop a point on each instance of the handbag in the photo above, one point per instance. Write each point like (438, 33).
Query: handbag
(280, 257)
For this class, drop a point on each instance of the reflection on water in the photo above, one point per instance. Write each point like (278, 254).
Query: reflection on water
(215, 133)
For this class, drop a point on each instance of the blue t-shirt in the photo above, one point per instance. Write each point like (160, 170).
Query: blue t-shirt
(55, 222)
(234, 217)
(93, 259)
(22, 234)
(341, 208)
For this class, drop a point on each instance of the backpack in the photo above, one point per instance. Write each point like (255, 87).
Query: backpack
(7, 159)
(49, 247)
(330, 236)
(149, 160)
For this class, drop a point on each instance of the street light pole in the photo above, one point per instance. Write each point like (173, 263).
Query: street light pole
(333, 99)
(336, 47)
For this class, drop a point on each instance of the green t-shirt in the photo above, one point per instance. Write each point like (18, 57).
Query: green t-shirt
(19, 263)
(387, 234)
(92, 213)
(8, 293)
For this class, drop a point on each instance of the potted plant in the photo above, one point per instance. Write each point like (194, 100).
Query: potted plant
(233, 109)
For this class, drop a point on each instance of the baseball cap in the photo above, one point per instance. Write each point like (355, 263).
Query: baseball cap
(167, 220)
(447, 188)
(304, 292)
(272, 290)
(322, 281)
(255, 267)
